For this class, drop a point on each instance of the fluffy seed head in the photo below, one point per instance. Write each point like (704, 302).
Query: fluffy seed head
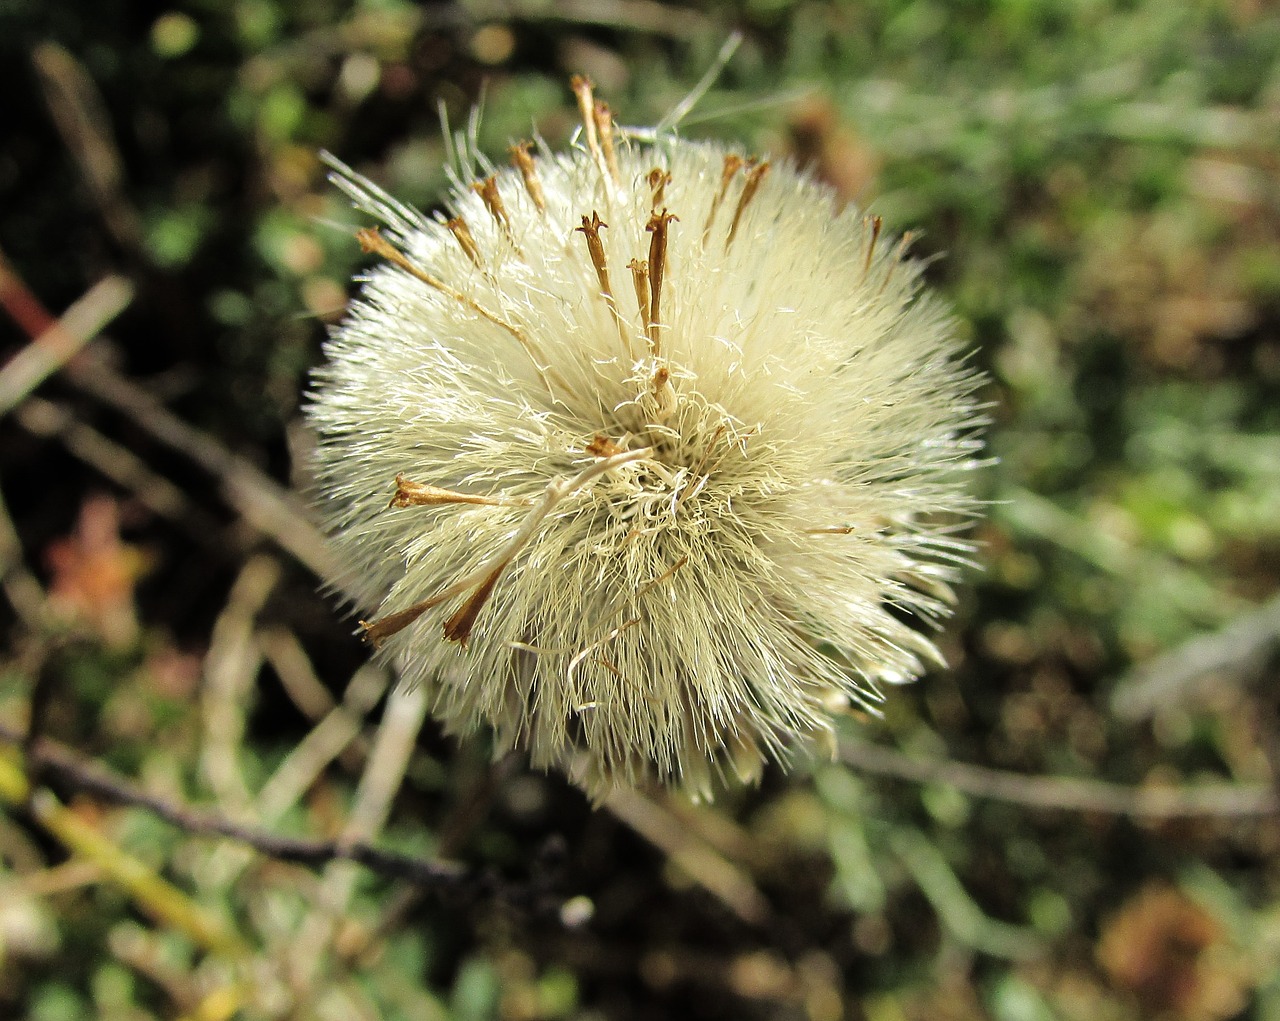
(644, 455)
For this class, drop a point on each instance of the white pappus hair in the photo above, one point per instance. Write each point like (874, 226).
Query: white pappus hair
(645, 455)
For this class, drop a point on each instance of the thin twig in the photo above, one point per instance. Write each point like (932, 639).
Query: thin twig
(59, 764)
(304, 764)
(956, 909)
(49, 882)
(149, 890)
(1240, 649)
(469, 810)
(1063, 793)
(717, 828)
(324, 743)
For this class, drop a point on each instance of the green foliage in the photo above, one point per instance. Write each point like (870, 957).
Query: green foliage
(1094, 181)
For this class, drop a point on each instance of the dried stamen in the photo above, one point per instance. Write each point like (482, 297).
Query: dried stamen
(488, 192)
(604, 125)
(582, 88)
(602, 446)
(658, 180)
(732, 164)
(460, 624)
(640, 278)
(612, 667)
(375, 244)
(590, 229)
(657, 226)
(524, 163)
(419, 494)
(458, 226)
(483, 579)
(662, 390)
(898, 254)
(754, 176)
(876, 224)
(378, 631)
(458, 627)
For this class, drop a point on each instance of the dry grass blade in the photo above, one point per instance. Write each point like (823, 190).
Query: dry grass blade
(117, 463)
(698, 859)
(82, 121)
(260, 500)
(230, 669)
(1240, 650)
(298, 677)
(150, 891)
(322, 745)
(58, 344)
(392, 748)
(335, 733)
(263, 502)
(21, 587)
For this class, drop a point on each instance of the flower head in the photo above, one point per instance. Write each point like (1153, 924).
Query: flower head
(645, 455)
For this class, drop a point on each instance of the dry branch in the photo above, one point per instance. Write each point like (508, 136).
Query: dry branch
(56, 763)
(1066, 794)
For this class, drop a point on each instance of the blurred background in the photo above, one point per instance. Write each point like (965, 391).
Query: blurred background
(1077, 820)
